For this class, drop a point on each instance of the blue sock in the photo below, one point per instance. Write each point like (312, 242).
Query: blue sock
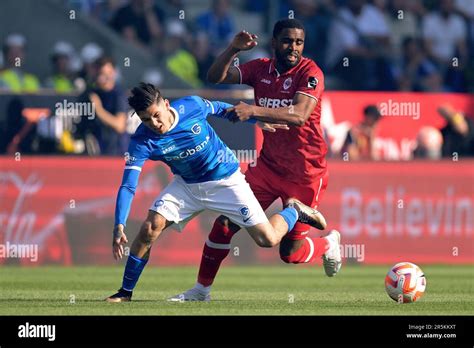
(133, 269)
(290, 215)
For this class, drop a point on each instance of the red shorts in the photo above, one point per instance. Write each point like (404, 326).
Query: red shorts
(268, 187)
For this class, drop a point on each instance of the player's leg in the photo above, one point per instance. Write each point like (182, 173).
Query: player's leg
(297, 246)
(217, 246)
(150, 230)
(215, 250)
(234, 198)
(174, 205)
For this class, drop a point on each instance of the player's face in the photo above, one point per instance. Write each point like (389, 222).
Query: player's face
(288, 47)
(158, 117)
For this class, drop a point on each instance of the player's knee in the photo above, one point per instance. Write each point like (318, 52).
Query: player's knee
(289, 250)
(150, 231)
(266, 241)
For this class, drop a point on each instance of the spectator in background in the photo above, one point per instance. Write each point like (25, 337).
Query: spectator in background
(109, 100)
(101, 10)
(428, 143)
(172, 9)
(90, 53)
(13, 77)
(359, 42)
(360, 138)
(178, 60)
(61, 80)
(417, 73)
(402, 23)
(218, 24)
(139, 22)
(465, 8)
(200, 49)
(316, 19)
(445, 36)
(458, 134)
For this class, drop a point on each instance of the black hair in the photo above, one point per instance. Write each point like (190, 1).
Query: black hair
(286, 23)
(143, 96)
(373, 111)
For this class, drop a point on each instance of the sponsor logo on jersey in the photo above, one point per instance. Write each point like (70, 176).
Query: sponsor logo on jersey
(196, 129)
(268, 82)
(312, 82)
(168, 149)
(274, 103)
(287, 83)
(189, 152)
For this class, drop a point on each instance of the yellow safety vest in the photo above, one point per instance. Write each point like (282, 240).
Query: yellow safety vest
(183, 65)
(62, 84)
(23, 82)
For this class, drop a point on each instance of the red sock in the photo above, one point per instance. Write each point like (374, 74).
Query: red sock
(215, 250)
(309, 251)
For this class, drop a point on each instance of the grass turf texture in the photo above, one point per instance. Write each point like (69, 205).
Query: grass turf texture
(283, 290)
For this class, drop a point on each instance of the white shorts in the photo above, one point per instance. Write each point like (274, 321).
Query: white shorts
(180, 202)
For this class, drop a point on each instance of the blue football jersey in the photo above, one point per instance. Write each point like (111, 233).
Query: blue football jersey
(191, 148)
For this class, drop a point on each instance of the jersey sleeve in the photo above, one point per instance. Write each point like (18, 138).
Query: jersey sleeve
(311, 82)
(248, 71)
(215, 108)
(138, 153)
(219, 109)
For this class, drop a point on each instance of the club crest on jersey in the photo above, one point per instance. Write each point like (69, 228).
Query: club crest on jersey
(312, 82)
(196, 129)
(287, 83)
(244, 211)
(159, 203)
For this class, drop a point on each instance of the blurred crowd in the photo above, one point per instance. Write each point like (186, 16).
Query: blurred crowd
(406, 45)
(368, 45)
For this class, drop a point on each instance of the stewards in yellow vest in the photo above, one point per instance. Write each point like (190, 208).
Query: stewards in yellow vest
(13, 77)
(178, 60)
(61, 57)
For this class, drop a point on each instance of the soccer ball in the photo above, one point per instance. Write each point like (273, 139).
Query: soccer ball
(405, 282)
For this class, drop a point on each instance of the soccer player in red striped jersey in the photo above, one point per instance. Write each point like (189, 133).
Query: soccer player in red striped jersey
(288, 89)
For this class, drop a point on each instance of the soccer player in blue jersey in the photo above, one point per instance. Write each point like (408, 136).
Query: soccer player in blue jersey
(179, 135)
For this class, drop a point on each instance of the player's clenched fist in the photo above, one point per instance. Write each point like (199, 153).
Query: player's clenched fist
(119, 239)
(241, 112)
(244, 41)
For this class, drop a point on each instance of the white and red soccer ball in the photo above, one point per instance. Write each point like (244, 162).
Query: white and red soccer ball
(405, 282)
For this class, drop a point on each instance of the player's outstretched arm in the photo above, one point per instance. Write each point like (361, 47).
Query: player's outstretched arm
(221, 70)
(296, 114)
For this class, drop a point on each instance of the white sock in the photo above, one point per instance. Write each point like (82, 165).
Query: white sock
(202, 289)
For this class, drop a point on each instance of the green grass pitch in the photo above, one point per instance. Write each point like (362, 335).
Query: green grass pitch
(239, 290)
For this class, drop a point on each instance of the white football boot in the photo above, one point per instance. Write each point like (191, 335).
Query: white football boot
(332, 260)
(191, 295)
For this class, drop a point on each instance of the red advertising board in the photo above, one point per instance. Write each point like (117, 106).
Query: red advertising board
(404, 114)
(386, 211)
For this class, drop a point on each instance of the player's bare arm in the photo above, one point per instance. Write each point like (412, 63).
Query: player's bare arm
(221, 70)
(296, 114)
